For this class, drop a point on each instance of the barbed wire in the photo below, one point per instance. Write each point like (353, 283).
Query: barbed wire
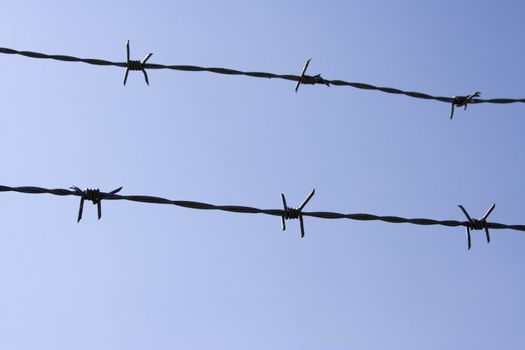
(134, 65)
(287, 213)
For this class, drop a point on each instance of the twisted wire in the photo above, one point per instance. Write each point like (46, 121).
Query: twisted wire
(252, 210)
(227, 71)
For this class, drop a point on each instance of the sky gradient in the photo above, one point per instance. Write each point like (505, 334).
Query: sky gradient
(159, 277)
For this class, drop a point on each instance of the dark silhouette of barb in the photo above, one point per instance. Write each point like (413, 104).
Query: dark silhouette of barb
(308, 79)
(283, 213)
(136, 65)
(300, 79)
(477, 224)
(93, 196)
(462, 101)
(294, 213)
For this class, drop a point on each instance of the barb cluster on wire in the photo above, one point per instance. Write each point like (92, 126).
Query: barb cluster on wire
(96, 196)
(134, 65)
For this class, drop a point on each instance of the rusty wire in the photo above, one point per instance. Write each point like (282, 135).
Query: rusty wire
(300, 79)
(286, 213)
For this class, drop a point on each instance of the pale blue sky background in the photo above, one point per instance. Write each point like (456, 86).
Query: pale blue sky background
(161, 277)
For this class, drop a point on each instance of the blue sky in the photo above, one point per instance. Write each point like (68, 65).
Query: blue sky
(149, 276)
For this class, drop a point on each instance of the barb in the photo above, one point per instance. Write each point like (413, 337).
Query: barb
(294, 213)
(308, 79)
(227, 71)
(93, 196)
(136, 65)
(480, 224)
(471, 224)
(460, 101)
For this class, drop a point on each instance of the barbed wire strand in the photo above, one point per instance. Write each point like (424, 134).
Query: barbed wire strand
(286, 213)
(302, 79)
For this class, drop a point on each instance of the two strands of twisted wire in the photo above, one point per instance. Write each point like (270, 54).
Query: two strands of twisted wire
(132, 65)
(286, 213)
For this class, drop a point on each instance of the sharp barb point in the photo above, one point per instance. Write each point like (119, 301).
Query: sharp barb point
(116, 190)
(80, 209)
(492, 207)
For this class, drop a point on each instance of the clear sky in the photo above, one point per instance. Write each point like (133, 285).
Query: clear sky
(163, 277)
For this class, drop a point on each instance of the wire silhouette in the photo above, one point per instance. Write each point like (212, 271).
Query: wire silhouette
(93, 196)
(136, 65)
(97, 196)
(130, 65)
(294, 213)
(477, 224)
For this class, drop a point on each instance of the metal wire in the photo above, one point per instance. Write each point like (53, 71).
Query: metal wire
(302, 79)
(283, 213)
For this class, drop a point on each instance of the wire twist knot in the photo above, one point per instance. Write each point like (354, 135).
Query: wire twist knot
(291, 213)
(294, 213)
(93, 195)
(462, 101)
(312, 80)
(477, 224)
(135, 65)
